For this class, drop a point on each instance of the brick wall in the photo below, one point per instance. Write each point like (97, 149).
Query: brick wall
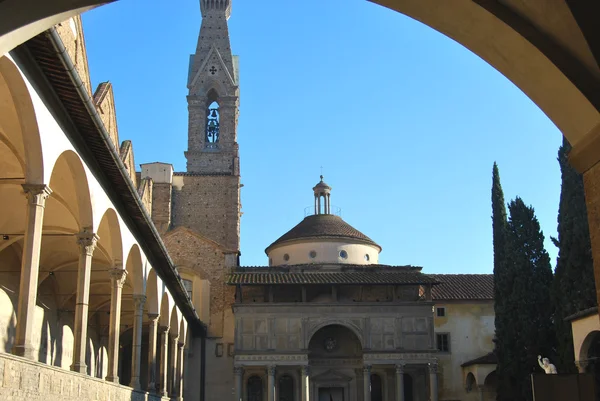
(210, 206)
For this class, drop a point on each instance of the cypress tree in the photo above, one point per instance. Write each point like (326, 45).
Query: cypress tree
(574, 289)
(504, 321)
(529, 299)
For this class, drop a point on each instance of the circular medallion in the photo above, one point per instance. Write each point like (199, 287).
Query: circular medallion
(330, 344)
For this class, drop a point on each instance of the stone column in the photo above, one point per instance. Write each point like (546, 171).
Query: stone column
(30, 266)
(400, 382)
(173, 364)
(136, 349)
(164, 350)
(87, 244)
(433, 384)
(117, 278)
(238, 373)
(581, 366)
(481, 394)
(152, 328)
(305, 385)
(271, 383)
(179, 375)
(367, 383)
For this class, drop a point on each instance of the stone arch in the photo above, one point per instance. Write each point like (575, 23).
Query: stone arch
(153, 305)
(337, 322)
(183, 332)
(135, 270)
(37, 16)
(519, 58)
(166, 306)
(587, 344)
(174, 326)
(109, 232)
(470, 382)
(19, 132)
(70, 188)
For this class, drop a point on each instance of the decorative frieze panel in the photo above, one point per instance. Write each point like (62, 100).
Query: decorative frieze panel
(406, 357)
(266, 359)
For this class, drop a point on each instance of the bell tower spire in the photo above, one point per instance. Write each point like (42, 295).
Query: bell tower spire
(213, 98)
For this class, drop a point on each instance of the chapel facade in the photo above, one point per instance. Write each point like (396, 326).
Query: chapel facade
(325, 321)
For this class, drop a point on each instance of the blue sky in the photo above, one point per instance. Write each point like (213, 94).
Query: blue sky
(405, 122)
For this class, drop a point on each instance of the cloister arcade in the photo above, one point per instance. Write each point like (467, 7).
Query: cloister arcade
(77, 289)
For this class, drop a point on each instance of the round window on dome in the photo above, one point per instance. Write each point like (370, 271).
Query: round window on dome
(367, 257)
(286, 257)
(313, 254)
(343, 254)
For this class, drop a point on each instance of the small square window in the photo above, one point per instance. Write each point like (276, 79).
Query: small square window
(443, 342)
(441, 311)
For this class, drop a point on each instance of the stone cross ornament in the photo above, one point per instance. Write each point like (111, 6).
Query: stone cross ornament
(545, 364)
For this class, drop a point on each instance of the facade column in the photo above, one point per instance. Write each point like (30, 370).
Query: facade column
(136, 349)
(581, 366)
(367, 383)
(117, 278)
(179, 375)
(238, 373)
(152, 329)
(400, 382)
(271, 383)
(87, 244)
(164, 350)
(173, 364)
(305, 385)
(481, 394)
(433, 383)
(30, 266)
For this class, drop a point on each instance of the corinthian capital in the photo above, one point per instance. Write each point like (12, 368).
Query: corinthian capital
(87, 242)
(118, 276)
(37, 193)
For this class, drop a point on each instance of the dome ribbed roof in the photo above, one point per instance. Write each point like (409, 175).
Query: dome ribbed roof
(323, 226)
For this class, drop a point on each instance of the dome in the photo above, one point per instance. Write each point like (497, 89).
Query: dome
(323, 226)
(321, 187)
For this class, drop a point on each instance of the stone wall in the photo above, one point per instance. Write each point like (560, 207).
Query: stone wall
(289, 328)
(161, 206)
(210, 206)
(23, 379)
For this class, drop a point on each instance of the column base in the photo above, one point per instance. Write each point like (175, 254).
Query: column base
(135, 384)
(79, 368)
(25, 351)
(112, 379)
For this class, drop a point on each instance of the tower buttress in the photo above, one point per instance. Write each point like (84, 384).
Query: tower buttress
(213, 98)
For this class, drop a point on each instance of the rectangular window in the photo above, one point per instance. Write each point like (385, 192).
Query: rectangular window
(443, 342)
(441, 311)
(189, 286)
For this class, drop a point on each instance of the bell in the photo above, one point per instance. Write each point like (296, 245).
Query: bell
(213, 113)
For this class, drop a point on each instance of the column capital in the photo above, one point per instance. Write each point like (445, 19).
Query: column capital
(400, 368)
(581, 366)
(238, 370)
(37, 193)
(271, 370)
(153, 317)
(118, 276)
(367, 369)
(87, 242)
(163, 329)
(139, 301)
(306, 370)
(433, 367)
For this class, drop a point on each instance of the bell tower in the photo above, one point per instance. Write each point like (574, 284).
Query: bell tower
(213, 98)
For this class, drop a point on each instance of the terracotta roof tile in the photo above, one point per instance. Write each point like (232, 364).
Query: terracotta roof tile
(320, 277)
(320, 226)
(463, 287)
(488, 359)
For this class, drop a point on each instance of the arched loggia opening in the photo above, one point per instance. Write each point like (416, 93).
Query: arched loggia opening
(212, 128)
